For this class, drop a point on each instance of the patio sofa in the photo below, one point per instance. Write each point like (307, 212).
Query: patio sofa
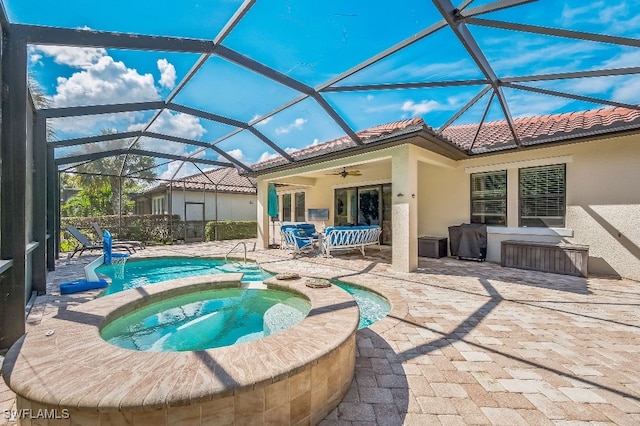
(337, 238)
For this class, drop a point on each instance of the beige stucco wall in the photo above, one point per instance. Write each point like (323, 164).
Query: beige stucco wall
(603, 200)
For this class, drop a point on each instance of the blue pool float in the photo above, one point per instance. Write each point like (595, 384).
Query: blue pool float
(82, 285)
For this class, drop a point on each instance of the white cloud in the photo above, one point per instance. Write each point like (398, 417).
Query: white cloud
(263, 122)
(35, 58)
(104, 82)
(235, 153)
(297, 124)
(76, 57)
(267, 156)
(167, 74)
(627, 91)
(176, 124)
(421, 108)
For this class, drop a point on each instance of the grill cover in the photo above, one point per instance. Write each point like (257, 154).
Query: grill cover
(469, 241)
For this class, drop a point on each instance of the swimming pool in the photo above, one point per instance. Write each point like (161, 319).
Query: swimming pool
(150, 271)
(209, 319)
(373, 306)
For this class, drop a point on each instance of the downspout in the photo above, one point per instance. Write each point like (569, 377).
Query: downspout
(215, 228)
(120, 206)
(170, 209)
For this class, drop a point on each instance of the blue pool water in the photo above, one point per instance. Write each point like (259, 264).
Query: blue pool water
(373, 307)
(208, 319)
(149, 271)
(136, 273)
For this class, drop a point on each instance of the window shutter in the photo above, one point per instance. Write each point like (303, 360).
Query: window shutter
(542, 196)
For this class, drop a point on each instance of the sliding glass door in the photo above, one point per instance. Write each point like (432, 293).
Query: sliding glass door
(365, 205)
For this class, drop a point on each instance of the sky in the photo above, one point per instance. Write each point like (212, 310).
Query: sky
(313, 42)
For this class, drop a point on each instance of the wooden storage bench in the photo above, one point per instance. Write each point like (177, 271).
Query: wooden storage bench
(568, 259)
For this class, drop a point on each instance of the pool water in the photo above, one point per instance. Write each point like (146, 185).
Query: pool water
(150, 271)
(208, 319)
(373, 307)
(136, 273)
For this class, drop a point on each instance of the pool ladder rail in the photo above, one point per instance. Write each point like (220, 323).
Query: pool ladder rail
(234, 247)
(246, 284)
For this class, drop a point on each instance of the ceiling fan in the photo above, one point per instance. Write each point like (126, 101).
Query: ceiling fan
(344, 173)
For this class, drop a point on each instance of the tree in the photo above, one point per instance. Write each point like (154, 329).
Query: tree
(103, 184)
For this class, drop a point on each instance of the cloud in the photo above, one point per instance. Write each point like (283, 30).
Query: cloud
(263, 122)
(176, 124)
(267, 156)
(235, 153)
(167, 74)
(76, 57)
(297, 124)
(421, 108)
(104, 82)
(35, 58)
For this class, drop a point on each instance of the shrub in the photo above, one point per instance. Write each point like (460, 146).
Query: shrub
(231, 230)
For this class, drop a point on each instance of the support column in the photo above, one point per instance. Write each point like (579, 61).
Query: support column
(14, 162)
(53, 196)
(404, 187)
(263, 213)
(39, 256)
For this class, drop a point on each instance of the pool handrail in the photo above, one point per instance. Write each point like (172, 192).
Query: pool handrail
(234, 247)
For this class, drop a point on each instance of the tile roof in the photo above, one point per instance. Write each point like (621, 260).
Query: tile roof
(496, 135)
(370, 135)
(493, 136)
(227, 178)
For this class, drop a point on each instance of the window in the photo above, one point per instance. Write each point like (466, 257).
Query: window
(299, 214)
(489, 198)
(542, 196)
(157, 205)
(286, 207)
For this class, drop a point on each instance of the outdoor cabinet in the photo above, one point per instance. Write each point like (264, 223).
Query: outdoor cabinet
(435, 247)
(562, 258)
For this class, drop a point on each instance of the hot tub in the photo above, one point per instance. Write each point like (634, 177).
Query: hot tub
(297, 375)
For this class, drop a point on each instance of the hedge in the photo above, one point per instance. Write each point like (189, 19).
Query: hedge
(231, 230)
(160, 229)
(148, 228)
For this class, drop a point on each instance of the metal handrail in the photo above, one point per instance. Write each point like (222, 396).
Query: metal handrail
(234, 247)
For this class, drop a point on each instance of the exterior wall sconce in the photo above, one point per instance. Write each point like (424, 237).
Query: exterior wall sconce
(400, 194)
(413, 195)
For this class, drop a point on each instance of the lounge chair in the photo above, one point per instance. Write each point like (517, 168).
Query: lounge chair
(136, 244)
(293, 241)
(85, 244)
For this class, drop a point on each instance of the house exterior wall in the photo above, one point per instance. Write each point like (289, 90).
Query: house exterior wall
(603, 201)
(230, 206)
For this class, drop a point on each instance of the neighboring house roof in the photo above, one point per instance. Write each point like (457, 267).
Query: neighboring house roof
(493, 136)
(223, 179)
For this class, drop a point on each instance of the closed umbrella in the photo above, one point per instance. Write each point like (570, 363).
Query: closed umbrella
(272, 209)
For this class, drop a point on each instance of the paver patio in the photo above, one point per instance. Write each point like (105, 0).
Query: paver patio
(475, 343)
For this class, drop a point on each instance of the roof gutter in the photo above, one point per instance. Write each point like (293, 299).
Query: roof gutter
(417, 135)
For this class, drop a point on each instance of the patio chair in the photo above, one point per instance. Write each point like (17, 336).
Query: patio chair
(136, 244)
(292, 240)
(85, 244)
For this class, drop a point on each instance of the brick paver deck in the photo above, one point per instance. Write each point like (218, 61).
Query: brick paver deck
(480, 344)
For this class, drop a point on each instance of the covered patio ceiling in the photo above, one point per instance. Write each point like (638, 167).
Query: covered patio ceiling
(230, 83)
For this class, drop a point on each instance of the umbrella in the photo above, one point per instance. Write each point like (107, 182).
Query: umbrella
(272, 209)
